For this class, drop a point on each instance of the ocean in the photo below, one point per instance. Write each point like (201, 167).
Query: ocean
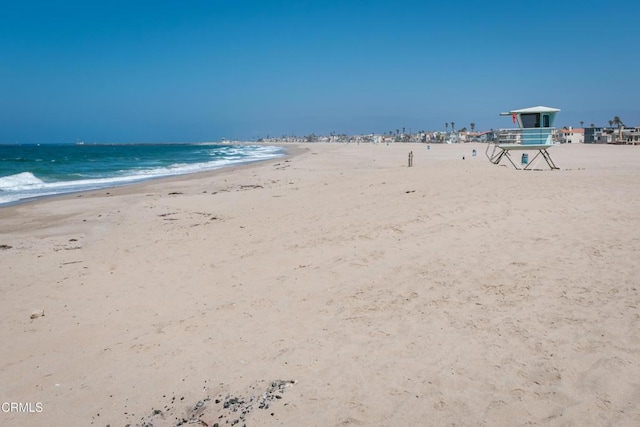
(30, 171)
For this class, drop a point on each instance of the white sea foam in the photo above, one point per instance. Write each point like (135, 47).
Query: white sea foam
(19, 181)
(26, 185)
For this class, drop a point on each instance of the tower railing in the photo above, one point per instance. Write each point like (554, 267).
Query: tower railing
(528, 136)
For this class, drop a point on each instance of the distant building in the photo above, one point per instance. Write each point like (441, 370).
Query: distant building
(606, 136)
(631, 135)
(486, 136)
(591, 134)
(571, 136)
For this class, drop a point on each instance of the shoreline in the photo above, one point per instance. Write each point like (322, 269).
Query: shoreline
(288, 151)
(333, 286)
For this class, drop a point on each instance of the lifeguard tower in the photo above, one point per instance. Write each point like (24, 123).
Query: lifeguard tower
(535, 132)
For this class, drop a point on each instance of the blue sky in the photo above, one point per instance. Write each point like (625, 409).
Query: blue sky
(160, 71)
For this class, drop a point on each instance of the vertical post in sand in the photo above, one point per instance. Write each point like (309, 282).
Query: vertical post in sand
(410, 158)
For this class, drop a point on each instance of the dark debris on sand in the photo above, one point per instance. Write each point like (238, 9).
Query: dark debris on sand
(227, 411)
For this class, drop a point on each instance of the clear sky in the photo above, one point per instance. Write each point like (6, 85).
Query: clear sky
(201, 70)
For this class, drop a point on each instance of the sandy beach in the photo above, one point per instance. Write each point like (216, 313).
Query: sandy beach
(333, 287)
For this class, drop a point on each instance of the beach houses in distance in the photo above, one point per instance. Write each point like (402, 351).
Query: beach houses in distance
(611, 135)
(566, 135)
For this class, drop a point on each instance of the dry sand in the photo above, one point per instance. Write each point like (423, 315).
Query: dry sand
(334, 287)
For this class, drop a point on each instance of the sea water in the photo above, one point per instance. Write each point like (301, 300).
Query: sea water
(28, 171)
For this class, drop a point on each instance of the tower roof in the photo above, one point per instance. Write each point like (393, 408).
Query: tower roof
(538, 109)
